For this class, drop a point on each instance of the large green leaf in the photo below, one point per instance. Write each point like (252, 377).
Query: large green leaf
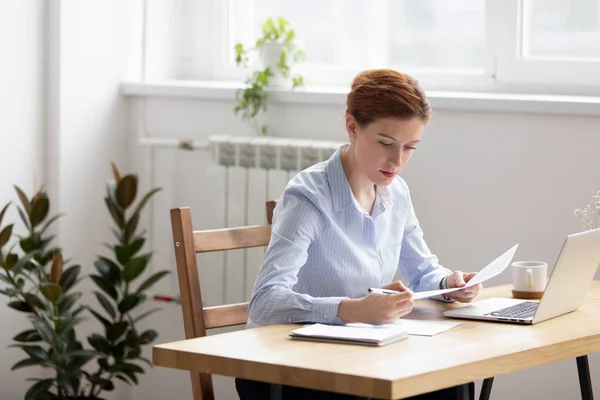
(39, 210)
(34, 301)
(131, 376)
(69, 277)
(148, 336)
(132, 339)
(132, 226)
(129, 303)
(136, 245)
(28, 336)
(5, 235)
(106, 304)
(24, 218)
(28, 362)
(123, 253)
(20, 305)
(28, 244)
(68, 301)
(99, 343)
(11, 260)
(151, 281)
(43, 328)
(126, 191)
(80, 357)
(105, 285)
(108, 269)
(39, 388)
(147, 197)
(34, 351)
(119, 350)
(51, 291)
(116, 330)
(134, 353)
(65, 382)
(144, 359)
(145, 314)
(115, 212)
(4, 212)
(134, 268)
(24, 200)
(130, 367)
(107, 385)
(99, 317)
(123, 378)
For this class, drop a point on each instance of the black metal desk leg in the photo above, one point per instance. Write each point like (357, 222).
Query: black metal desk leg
(466, 392)
(585, 381)
(276, 392)
(486, 389)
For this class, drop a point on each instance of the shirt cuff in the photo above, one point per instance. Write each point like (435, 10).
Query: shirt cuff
(325, 310)
(444, 286)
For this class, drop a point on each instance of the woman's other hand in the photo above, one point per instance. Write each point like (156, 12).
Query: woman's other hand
(459, 279)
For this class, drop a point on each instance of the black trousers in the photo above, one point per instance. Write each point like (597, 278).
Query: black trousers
(253, 390)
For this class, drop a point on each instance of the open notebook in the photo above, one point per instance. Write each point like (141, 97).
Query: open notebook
(368, 335)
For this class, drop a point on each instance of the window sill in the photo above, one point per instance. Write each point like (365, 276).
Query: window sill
(321, 95)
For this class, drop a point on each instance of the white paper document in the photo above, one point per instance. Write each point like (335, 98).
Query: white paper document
(416, 327)
(491, 270)
(425, 328)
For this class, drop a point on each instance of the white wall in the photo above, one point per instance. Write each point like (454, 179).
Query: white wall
(22, 147)
(480, 182)
(96, 39)
(63, 120)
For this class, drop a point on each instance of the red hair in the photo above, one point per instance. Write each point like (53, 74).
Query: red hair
(381, 93)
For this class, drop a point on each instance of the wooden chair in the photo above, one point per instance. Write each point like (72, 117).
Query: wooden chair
(197, 318)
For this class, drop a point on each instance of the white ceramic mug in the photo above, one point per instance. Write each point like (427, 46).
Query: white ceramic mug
(529, 276)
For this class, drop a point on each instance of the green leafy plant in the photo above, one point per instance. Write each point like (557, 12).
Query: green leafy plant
(278, 37)
(37, 285)
(120, 293)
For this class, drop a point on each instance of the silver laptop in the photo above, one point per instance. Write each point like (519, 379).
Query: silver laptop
(565, 291)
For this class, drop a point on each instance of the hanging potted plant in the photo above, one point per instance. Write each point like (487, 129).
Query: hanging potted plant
(277, 54)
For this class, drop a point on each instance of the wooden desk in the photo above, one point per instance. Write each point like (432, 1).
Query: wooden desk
(469, 352)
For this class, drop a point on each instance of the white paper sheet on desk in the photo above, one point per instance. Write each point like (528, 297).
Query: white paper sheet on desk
(492, 269)
(425, 328)
(418, 327)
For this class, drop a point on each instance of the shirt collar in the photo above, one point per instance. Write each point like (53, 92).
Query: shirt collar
(342, 194)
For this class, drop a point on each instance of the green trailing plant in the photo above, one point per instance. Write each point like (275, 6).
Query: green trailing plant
(37, 285)
(253, 98)
(122, 290)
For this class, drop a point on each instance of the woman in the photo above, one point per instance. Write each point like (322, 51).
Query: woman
(348, 224)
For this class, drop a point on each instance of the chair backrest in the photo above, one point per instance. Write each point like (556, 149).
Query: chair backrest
(197, 318)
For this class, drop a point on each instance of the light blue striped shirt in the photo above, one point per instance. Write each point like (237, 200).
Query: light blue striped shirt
(324, 248)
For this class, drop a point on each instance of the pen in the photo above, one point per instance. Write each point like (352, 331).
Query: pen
(383, 291)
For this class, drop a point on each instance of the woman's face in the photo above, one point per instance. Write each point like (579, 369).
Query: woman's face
(383, 147)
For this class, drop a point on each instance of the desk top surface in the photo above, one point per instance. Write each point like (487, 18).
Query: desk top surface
(472, 351)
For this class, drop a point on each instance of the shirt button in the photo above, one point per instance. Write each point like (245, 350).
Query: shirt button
(326, 316)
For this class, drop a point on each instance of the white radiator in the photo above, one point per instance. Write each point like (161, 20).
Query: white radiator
(244, 172)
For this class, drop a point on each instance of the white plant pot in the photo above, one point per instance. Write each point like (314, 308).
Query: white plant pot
(269, 57)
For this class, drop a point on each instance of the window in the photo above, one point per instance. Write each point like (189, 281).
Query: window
(516, 45)
(562, 30)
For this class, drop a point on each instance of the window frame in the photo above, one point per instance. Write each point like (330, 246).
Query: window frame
(505, 69)
(512, 67)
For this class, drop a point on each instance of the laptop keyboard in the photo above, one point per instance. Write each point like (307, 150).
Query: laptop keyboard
(519, 311)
